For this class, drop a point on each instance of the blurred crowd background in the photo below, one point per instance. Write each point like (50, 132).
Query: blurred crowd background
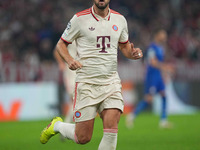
(30, 30)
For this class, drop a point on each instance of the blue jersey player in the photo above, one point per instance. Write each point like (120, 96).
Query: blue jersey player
(154, 81)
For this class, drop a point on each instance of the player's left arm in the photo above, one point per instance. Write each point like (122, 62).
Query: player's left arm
(130, 51)
(128, 48)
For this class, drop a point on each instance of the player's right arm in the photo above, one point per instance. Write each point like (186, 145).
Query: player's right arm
(60, 61)
(70, 34)
(62, 50)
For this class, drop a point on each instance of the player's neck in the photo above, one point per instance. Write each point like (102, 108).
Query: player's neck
(101, 12)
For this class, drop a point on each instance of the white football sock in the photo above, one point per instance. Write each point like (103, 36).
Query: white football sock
(67, 130)
(109, 140)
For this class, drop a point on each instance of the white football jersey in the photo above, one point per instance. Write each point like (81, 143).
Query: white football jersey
(97, 41)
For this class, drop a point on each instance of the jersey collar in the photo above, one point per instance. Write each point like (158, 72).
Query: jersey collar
(97, 17)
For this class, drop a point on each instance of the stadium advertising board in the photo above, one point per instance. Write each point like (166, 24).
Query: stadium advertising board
(27, 101)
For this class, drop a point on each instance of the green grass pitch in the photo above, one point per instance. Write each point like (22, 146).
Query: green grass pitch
(144, 136)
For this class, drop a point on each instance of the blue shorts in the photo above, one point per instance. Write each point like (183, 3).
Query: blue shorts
(154, 85)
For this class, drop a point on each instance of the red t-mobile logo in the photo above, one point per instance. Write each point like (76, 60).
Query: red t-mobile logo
(103, 44)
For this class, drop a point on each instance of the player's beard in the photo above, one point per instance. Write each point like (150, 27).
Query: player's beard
(101, 7)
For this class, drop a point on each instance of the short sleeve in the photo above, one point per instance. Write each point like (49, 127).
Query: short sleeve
(150, 54)
(124, 35)
(72, 30)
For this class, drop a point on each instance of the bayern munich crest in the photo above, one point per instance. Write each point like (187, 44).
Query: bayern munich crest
(115, 28)
(77, 114)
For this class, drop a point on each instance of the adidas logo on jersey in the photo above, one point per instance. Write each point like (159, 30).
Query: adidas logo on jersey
(91, 28)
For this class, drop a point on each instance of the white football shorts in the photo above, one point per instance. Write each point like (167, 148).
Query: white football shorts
(90, 99)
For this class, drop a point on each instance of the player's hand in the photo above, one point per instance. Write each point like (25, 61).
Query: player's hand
(136, 52)
(74, 64)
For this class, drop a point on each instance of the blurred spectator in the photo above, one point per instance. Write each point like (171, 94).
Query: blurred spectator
(45, 50)
(34, 26)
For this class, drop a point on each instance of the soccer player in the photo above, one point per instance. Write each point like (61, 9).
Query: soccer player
(68, 77)
(154, 80)
(98, 32)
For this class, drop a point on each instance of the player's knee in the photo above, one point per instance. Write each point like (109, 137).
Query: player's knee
(84, 139)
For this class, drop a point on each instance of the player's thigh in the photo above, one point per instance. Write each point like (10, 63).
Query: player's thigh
(84, 119)
(84, 131)
(110, 110)
(111, 118)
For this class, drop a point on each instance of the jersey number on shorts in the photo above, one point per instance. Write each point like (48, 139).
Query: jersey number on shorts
(103, 45)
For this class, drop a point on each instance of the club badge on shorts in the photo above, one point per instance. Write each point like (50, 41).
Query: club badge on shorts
(77, 114)
(115, 28)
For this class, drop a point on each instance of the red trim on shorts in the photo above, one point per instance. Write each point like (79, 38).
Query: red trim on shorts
(66, 41)
(74, 100)
(124, 42)
(110, 130)
(75, 96)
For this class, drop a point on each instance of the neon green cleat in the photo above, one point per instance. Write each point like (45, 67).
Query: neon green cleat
(48, 132)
